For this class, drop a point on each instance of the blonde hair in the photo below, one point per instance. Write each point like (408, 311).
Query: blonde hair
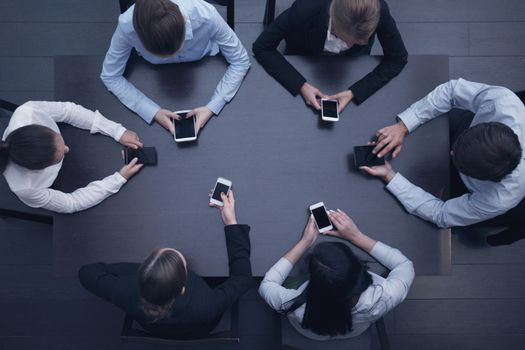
(356, 18)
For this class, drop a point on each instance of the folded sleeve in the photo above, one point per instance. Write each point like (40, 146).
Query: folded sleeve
(271, 289)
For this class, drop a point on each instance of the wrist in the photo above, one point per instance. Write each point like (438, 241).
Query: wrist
(403, 127)
(230, 221)
(389, 176)
(307, 241)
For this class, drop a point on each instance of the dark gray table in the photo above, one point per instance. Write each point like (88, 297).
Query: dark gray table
(277, 152)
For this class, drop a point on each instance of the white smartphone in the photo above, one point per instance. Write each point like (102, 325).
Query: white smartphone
(184, 128)
(330, 110)
(222, 185)
(321, 218)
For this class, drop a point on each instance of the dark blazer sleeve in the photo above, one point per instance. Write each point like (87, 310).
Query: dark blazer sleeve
(240, 280)
(265, 47)
(395, 57)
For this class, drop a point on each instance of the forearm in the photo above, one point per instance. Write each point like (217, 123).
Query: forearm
(298, 250)
(238, 247)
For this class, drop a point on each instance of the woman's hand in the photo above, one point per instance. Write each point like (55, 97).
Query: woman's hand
(130, 169)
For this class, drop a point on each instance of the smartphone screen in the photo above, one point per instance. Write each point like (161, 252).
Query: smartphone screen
(364, 157)
(146, 155)
(321, 217)
(220, 187)
(330, 109)
(184, 128)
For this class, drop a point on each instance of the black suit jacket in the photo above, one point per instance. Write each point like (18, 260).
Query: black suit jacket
(304, 26)
(197, 311)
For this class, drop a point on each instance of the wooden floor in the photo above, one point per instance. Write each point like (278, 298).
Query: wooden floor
(480, 305)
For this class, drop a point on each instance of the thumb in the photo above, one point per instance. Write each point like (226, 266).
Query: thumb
(367, 169)
(191, 113)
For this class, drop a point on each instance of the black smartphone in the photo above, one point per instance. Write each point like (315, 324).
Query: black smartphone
(146, 155)
(363, 156)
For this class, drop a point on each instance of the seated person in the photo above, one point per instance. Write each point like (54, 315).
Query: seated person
(487, 139)
(341, 299)
(345, 27)
(32, 151)
(164, 295)
(172, 31)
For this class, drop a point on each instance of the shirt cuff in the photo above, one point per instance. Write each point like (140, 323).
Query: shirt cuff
(107, 127)
(380, 251)
(398, 185)
(216, 104)
(409, 118)
(119, 179)
(148, 111)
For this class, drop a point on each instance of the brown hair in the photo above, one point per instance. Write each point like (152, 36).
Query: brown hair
(356, 18)
(161, 278)
(160, 26)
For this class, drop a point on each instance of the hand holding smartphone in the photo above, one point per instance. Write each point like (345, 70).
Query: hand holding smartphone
(363, 156)
(321, 218)
(330, 110)
(221, 186)
(184, 128)
(145, 155)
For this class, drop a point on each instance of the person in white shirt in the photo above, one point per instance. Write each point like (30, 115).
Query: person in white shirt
(341, 299)
(487, 141)
(173, 31)
(32, 151)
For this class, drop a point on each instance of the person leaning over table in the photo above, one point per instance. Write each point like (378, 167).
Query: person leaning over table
(32, 151)
(173, 31)
(342, 298)
(344, 27)
(487, 138)
(164, 295)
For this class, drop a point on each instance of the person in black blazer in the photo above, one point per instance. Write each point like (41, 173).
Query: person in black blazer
(313, 27)
(165, 296)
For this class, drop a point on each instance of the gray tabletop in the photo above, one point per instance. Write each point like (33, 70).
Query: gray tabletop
(279, 155)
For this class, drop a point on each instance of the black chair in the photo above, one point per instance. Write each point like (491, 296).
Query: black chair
(521, 95)
(269, 12)
(230, 9)
(132, 332)
(7, 108)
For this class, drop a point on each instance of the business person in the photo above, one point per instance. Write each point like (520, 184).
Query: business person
(164, 295)
(341, 299)
(344, 27)
(487, 138)
(172, 31)
(32, 151)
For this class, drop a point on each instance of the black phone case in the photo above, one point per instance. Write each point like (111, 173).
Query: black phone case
(146, 155)
(363, 156)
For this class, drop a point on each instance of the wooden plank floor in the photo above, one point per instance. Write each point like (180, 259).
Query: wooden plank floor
(480, 305)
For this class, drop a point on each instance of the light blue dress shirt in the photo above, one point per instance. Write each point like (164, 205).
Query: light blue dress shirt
(487, 199)
(206, 34)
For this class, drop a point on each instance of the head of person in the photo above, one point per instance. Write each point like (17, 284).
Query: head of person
(161, 279)
(487, 151)
(33, 147)
(354, 21)
(337, 279)
(160, 26)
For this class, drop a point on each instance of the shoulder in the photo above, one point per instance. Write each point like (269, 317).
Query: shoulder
(125, 21)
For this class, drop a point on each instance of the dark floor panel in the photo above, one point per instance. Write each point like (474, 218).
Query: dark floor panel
(470, 248)
(497, 39)
(49, 39)
(457, 11)
(435, 38)
(456, 342)
(474, 317)
(505, 71)
(253, 10)
(59, 318)
(59, 11)
(26, 73)
(20, 97)
(472, 282)
(27, 246)
(64, 342)
(256, 318)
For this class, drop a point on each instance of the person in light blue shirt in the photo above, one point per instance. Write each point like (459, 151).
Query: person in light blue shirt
(172, 31)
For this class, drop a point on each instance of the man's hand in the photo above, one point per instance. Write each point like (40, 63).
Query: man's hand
(312, 95)
(130, 169)
(228, 209)
(385, 172)
(344, 98)
(130, 139)
(390, 138)
(165, 119)
(202, 115)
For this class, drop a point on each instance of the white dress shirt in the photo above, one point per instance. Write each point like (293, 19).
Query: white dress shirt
(206, 34)
(487, 199)
(332, 43)
(381, 297)
(31, 186)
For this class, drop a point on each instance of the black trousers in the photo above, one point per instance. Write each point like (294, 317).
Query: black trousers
(514, 219)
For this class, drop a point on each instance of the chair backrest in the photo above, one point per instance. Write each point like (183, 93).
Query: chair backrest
(230, 9)
(269, 12)
(521, 95)
(132, 332)
(7, 108)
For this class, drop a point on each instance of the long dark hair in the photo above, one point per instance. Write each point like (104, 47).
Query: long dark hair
(31, 146)
(161, 278)
(337, 279)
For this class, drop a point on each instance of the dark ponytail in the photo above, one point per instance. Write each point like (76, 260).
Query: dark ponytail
(32, 147)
